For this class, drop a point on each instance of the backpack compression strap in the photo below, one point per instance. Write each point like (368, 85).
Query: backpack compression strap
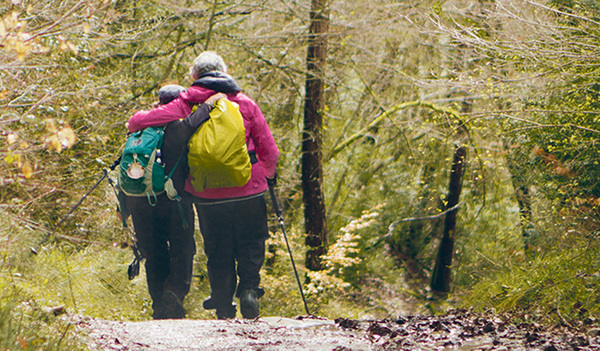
(172, 194)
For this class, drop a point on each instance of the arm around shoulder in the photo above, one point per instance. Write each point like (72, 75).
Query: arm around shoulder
(159, 116)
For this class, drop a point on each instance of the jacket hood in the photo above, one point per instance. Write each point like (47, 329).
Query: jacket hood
(208, 84)
(218, 82)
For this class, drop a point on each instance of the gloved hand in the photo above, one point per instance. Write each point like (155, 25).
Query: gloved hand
(212, 100)
(272, 181)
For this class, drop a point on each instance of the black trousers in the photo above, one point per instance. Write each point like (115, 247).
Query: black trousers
(168, 247)
(234, 233)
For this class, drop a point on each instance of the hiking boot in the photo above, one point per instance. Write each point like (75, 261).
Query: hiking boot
(212, 304)
(158, 311)
(226, 312)
(209, 304)
(171, 307)
(249, 304)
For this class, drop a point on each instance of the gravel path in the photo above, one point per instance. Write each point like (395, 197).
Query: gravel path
(454, 331)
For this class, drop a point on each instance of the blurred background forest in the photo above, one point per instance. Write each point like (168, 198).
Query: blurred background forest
(515, 83)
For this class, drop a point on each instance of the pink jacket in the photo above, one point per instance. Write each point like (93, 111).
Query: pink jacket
(258, 136)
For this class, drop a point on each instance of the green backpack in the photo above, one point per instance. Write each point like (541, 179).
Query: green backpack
(218, 156)
(141, 170)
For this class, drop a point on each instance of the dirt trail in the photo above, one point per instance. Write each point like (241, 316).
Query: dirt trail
(455, 331)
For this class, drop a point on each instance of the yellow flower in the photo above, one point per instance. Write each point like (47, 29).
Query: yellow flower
(27, 170)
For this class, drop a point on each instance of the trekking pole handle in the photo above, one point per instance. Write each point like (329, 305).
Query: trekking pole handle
(115, 164)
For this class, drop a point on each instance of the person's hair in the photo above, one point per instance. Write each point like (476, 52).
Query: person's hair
(206, 62)
(169, 93)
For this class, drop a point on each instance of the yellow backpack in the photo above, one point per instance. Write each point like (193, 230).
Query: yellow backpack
(218, 155)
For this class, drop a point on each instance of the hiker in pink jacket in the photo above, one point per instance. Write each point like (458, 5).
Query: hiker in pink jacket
(233, 221)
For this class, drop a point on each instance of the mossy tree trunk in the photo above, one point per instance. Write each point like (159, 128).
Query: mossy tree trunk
(312, 159)
(442, 272)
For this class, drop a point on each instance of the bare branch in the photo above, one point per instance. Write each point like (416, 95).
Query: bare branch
(562, 13)
(387, 114)
(59, 21)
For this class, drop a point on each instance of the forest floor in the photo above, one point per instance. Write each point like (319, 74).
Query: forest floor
(457, 330)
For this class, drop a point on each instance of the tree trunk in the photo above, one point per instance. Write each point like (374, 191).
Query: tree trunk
(442, 273)
(312, 169)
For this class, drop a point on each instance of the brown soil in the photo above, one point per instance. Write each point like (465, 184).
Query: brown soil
(458, 330)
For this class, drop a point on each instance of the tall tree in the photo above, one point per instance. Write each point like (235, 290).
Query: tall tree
(312, 165)
(441, 276)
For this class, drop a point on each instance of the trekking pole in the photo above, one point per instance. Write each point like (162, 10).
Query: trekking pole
(64, 218)
(279, 214)
(133, 270)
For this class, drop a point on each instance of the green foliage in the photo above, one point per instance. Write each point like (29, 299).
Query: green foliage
(24, 325)
(359, 280)
(90, 282)
(517, 88)
(550, 131)
(559, 286)
(39, 288)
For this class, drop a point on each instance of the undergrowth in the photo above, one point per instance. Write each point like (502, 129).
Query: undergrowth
(559, 286)
(44, 287)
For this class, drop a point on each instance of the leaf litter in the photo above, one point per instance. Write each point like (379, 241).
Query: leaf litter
(456, 330)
